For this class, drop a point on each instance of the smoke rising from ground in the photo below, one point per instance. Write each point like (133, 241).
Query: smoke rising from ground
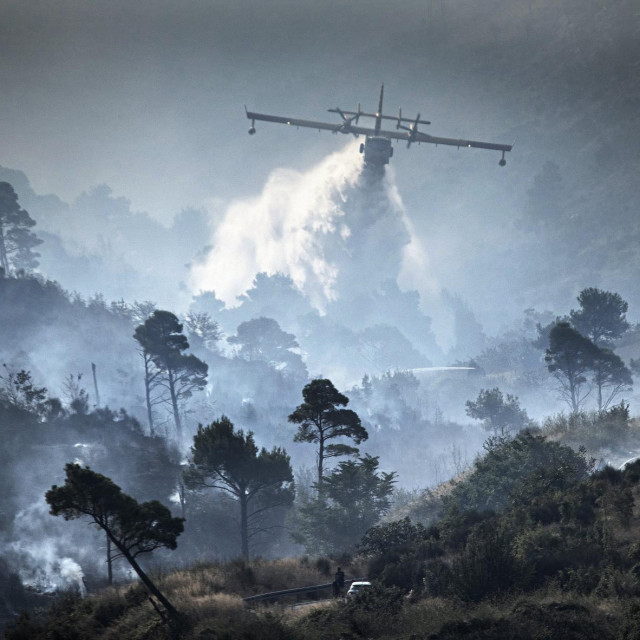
(39, 550)
(337, 230)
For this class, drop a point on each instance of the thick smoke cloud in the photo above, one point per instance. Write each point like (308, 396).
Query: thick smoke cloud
(337, 230)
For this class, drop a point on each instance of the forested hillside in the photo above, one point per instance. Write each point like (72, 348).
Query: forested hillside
(426, 375)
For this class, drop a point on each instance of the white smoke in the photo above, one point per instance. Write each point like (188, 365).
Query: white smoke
(336, 230)
(39, 555)
(70, 572)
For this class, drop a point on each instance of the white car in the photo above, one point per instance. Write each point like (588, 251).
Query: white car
(357, 587)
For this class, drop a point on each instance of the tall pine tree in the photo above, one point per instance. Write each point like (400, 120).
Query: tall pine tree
(17, 241)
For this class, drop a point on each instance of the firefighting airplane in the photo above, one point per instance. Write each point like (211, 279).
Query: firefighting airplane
(377, 147)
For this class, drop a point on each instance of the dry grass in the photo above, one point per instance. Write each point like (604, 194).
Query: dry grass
(249, 578)
(216, 605)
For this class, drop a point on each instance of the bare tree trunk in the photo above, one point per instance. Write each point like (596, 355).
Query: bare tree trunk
(599, 382)
(95, 384)
(4, 261)
(320, 463)
(173, 612)
(109, 562)
(574, 395)
(244, 526)
(147, 391)
(182, 497)
(175, 407)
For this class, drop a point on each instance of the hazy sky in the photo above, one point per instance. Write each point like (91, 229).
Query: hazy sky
(148, 97)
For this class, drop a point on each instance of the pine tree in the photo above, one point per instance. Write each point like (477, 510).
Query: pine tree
(17, 241)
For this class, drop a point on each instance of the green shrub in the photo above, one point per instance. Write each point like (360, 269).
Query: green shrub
(385, 537)
(580, 580)
(438, 579)
(406, 573)
(630, 627)
(323, 565)
(487, 565)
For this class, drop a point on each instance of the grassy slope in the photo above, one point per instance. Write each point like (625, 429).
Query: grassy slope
(210, 597)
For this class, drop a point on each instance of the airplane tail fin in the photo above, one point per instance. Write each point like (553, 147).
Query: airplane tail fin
(379, 112)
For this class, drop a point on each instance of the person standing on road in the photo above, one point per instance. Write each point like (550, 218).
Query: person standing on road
(340, 580)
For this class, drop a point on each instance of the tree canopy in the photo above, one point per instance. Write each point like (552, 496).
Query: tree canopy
(263, 340)
(569, 358)
(353, 499)
(499, 414)
(601, 317)
(17, 241)
(611, 377)
(167, 367)
(228, 459)
(133, 528)
(518, 469)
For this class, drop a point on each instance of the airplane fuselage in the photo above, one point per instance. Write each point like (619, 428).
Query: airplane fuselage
(377, 150)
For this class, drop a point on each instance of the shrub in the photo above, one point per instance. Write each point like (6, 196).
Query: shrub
(487, 566)
(406, 573)
(438, 578)
(323, 565)
(384, 537)
(630, 627)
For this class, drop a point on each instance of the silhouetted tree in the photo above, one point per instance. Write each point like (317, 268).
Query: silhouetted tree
(610, 376)
(75, 394)
(569, 358)
(17, 241)
(321, 420)
(132, 528)
(152, 375)
(353, 499)
(163, 344)
(601, 317)
(17, 389)
(541, 341)
(260, 480)
(204, 328)
(499, 414)
(142, 311)
(274, 295)
(262, 339)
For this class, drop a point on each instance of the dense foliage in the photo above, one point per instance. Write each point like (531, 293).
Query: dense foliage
(228, 460)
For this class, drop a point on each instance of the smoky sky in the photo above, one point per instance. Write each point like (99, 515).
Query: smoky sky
(148, 98)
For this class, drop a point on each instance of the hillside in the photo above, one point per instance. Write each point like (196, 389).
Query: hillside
(555, 555)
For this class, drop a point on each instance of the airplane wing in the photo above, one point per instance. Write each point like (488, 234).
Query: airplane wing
(294, 122)
(418, 136)
(405, 135)
(338, 127)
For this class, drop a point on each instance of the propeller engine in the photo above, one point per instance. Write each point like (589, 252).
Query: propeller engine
(412, 128)
(413, 131)
(346, 122)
